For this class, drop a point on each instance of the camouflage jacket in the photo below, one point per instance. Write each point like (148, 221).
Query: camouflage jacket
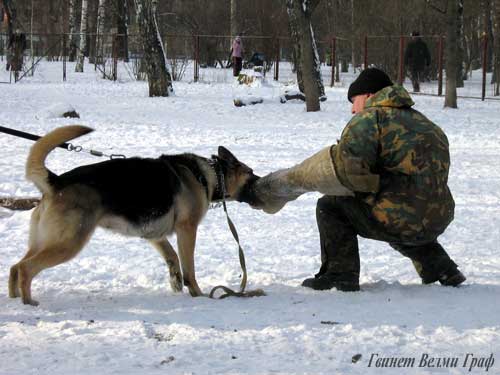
(410, 155)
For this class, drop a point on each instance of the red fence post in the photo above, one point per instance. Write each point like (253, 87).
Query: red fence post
(366, 52)
(401, 77)
(333, 58)
(440, 66)
(277, 66)
(485, 58)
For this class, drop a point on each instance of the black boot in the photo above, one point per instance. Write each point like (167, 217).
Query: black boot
(339, 248)
(452, 277)
(340, 281)
(432, 263)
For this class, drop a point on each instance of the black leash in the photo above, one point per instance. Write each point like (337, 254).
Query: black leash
(67, 146)
(228, 291)
(31, 137)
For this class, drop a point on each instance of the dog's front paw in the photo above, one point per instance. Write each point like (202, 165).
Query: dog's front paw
(176, 282)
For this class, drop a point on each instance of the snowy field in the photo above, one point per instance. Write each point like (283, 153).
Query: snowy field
(111, 310)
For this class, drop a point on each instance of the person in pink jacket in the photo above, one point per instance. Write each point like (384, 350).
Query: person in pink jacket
(237, 53)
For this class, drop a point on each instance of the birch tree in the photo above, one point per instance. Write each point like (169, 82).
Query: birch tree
(155, 59)
(306, 54)
(73, 36)
(83, 38)
(100, 31)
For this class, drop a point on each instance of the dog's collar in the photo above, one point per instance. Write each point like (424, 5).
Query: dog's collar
(219, 193)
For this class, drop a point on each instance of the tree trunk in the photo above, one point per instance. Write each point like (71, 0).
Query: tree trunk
(353, 38)
(306, 54)
(83, 38)
(452, 61)
(10, 12)
(486, 6)
(73, 36)
(460, 47)
(235, 27)
(122, 28)
(99, 42)
(92, 13)
(159, 78)
(496, 72)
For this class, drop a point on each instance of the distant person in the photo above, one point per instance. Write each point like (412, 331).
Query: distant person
(236, 55)
(16, 46)
(417, 59)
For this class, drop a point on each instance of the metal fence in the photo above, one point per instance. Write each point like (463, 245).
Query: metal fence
(206, 58)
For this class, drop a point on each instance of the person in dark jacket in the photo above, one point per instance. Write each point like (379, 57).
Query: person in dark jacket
(386, 179)
(417, 59)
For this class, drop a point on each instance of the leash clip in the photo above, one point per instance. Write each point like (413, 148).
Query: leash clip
(71, 147)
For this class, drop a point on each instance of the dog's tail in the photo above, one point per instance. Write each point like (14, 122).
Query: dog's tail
(36, 171)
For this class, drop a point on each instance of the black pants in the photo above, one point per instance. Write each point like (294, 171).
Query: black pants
(341, 219)
(237, 65)
(416, 77)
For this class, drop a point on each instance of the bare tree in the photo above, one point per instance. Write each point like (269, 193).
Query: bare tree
(73, 36)
(122, 28)
(83, 38)
(487, 28)
(235, 27)
(496, 72)
(159, 78)
(452, 58)
(100, 32)
(353, 37)
(10, 12)
(306, 54)
(460, 47)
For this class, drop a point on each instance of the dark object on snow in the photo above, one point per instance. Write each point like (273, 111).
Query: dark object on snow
(257, 59)
(19, 204)
(71, 114)
(296, 96)
(356, 358)
(330, 322)
(243, 103)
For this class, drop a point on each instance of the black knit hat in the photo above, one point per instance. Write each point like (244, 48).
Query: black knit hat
(369, 81)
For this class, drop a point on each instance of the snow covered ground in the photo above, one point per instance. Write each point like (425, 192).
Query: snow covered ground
(111, 311)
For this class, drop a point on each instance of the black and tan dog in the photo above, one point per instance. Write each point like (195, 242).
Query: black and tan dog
(149, 198)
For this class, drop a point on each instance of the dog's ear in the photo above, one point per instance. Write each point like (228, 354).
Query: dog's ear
(227, 156)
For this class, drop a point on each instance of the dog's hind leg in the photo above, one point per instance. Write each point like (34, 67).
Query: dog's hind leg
(186, 240)
(14, 290)
(168, 253)
(64, 237)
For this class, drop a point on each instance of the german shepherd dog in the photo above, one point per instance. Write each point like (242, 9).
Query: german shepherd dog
(148, 198)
